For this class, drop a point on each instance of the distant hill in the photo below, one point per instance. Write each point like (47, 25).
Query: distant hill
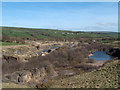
(52, 33)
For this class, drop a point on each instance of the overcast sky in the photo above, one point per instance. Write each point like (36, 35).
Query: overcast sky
(78, 16)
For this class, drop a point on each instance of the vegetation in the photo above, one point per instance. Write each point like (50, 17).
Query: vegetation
(63, 56)
(13, 85)
(105, 77)
(9, 43)
(21, 34)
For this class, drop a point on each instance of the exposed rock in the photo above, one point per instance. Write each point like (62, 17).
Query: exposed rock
(10, 58)
(33, 49)
(114, 52)
(31, 77)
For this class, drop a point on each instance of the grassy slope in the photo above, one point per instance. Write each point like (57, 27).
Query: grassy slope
(43, 33)
(8, 43)
(13, 85)
(105, 77)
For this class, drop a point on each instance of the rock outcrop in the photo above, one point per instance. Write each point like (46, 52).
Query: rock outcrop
(31, 77)
(115, 52)
(9, 59)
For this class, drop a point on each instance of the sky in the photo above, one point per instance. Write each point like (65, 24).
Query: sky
(75, 16)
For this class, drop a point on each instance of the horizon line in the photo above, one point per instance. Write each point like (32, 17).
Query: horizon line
(73, 30)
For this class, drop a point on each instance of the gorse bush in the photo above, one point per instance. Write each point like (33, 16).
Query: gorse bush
(87, 67)
(37, 63)
(12, 67)
(60, 57)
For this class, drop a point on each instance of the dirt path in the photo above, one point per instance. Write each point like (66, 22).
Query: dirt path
(14, 46)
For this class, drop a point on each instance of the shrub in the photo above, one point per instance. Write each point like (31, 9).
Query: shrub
(87, 67)
(12, 67)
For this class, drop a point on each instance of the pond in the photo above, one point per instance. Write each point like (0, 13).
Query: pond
(54, 47)
(100, 55)
(47, 50)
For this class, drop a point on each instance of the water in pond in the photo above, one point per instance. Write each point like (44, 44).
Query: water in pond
(54, 47)
(45, 50)
(50, 49)
(100, 55)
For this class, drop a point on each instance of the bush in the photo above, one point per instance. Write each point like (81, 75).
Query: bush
(87, 67)
(12, 67)
(60, 57)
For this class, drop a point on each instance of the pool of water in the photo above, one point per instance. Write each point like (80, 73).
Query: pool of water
(54, 47)
(100, 55)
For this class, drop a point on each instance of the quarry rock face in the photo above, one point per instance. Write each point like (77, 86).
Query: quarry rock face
(9, 59)
(114, 52)
(31, 77)
(23, 52)
(31, 49)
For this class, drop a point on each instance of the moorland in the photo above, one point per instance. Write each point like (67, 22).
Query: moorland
(49, 58)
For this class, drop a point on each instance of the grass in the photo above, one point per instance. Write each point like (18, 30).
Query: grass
(8, 43)
(105, 77)
(107, 41)
(13, 85)
(49, 33)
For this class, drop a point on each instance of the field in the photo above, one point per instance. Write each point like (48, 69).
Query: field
(67, 66)
(49, 33)
(9, 43)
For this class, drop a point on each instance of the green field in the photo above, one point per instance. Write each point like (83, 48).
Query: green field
(50, 33)
(8, 43)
